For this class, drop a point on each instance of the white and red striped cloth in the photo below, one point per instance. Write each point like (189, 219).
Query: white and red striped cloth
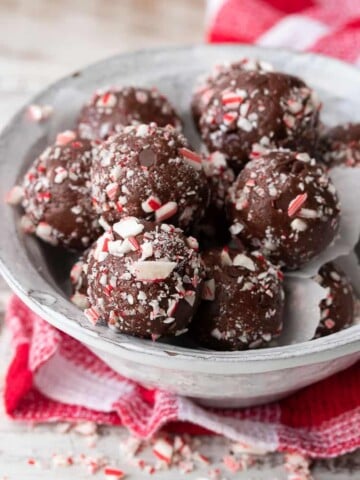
(54, 377)
(330, 27)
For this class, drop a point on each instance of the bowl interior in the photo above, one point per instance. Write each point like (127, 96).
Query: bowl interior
(39, 272)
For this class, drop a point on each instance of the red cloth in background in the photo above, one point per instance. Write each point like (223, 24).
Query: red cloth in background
(329, 27)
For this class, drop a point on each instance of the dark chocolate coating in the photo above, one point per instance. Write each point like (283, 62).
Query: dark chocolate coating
(286, 206)
(213, 228)
(220, 78)
(108, 111)
(340, 145)
(146, 304)
(145, 162)
(260, 109)
(57, 192)
(246, 300)
(337, 309)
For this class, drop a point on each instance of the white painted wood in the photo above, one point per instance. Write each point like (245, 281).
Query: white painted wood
(31, 56)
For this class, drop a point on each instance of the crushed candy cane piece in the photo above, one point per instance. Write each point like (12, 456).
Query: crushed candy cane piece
(65, 137)
(151, 204)
(80, 300)
(242, 260)
(39, 113)
(225, 258)
(26, 224)
(163, 450)
(191, 158)
(85, 428)
(92, 314)
(166, 211)
(296, 204)
(115, 473)
(152, 270)
(45, 232)
(15, 195)
(128, 227)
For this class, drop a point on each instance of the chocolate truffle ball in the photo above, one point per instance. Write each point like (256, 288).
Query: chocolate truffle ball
(57, 192)
(144, 279)
(108, 111)
(341, 146)
(222, 76)
(242, 303)
(337, 308)
(213, 228)
(286, 206)
(149, 172)
(79, 283)
(260, 109)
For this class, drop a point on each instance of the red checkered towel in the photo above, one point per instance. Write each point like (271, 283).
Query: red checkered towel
(54, 377)
(331, 27)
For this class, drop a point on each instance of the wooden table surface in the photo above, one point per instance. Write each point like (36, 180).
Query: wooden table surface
(40, 41)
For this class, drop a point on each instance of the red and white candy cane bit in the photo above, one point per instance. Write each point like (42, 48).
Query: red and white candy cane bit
(38, 113)
(15, 195)
(151, 204)
(229, 118)
(119, 207)
(40, 168)
(92, 314)
(77, 144)
(104, 244)
(225, 257)
(80, 300)
(66, 137)
(108, 290)
(112, 190)
(108, 99)
(289, 121)
(163, 450)
(44, 196)
(44, 231)
(192, 158)
(231, 99)
(115, 473)
(75, 272)
(296, 204)
(208, 292)
(134, 244)
(203, 459)
(193, 243)
(231, 463)
(152, 271)
(166, 211)
(250, 183)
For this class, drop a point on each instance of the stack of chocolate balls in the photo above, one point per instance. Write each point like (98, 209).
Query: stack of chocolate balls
(174, 241)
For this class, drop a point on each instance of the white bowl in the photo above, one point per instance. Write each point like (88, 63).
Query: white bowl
(38, 274)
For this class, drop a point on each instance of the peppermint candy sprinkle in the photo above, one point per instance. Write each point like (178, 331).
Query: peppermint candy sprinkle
(191, 158)
(152, 271)
(168, 210)
(296, 204)
(65, 137)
